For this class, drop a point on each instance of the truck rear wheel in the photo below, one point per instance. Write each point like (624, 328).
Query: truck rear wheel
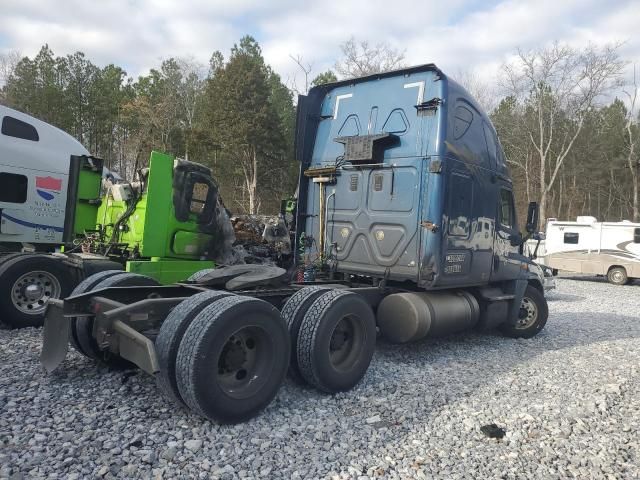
(336, 341)
(85, 286)
(84, 325)
(617, 276)
(170, 335)
(232, 359)
(293, 313)
(27, 282)
(532, 316)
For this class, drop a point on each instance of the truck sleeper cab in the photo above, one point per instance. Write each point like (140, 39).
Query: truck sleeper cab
(405, 222)
(404, 181)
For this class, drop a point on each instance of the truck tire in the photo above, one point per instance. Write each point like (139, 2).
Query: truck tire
(170, 335)
(293, 312)
(27, 282)
(6, 256)
(617, 276)
(199, 274)
(84, 325)
(85, 286)
(233, 359)
(532, 317)
(336, 341)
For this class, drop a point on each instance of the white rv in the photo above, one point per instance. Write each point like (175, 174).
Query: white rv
(592, 247)
(34, 173)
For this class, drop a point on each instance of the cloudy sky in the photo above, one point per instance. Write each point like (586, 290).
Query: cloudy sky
(455, 34)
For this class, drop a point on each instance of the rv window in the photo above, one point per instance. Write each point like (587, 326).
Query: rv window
(13, 127)
(13, 188)
(507, 215)
(636, 235)
(571, 237)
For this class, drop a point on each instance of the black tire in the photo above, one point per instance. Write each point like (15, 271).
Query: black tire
(170, 335)
(216, 350)
(6, 256)
(617, 276)
(49, 277)
(199, 274)
(84, 325)
(333, 315)
(85, 286)
(293, 312)
(533, 315)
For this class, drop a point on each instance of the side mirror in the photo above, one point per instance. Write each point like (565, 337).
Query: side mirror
(539, 236)
(532, 217)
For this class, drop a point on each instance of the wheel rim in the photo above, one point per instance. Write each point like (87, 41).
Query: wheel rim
(31, 292)
(617, 276)
(245, 362)
(346, 343)
(528, 314)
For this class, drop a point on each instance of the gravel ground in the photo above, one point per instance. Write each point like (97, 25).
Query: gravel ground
(568, 399)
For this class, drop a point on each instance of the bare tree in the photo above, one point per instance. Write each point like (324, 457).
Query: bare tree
(557, 86)
(360, 58)
(8, 62)
(631, 130)
(189, 92)
(478, 88)
(305, 68)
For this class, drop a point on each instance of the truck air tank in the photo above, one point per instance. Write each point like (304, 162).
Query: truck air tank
(410, 316)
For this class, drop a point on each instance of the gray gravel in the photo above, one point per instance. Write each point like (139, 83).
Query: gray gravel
(568, 399)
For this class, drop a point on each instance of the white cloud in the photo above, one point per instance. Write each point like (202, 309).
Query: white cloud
(457, 35)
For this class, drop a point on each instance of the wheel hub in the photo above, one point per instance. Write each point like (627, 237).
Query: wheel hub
(528, 314)
(31, 292)
(339, 338)
(344, 344)
(244, 362)
(233, 356)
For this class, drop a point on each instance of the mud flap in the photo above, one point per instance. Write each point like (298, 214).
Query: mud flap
(55, 336)
(520, 285)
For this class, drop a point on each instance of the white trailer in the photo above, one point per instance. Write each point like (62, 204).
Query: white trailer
(34, 173)
(592, 247)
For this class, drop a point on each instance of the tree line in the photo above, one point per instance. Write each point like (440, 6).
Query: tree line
(234, 115)
(566, 117)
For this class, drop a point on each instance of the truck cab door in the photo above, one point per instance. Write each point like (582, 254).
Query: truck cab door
(506, 262)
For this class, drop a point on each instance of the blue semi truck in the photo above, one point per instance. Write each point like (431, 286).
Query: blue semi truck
(404, 226)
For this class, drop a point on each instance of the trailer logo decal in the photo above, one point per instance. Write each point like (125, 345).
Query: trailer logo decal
(48, 187)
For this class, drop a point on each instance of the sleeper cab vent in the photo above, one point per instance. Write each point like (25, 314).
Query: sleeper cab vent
(377, 182)
(353, 185)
